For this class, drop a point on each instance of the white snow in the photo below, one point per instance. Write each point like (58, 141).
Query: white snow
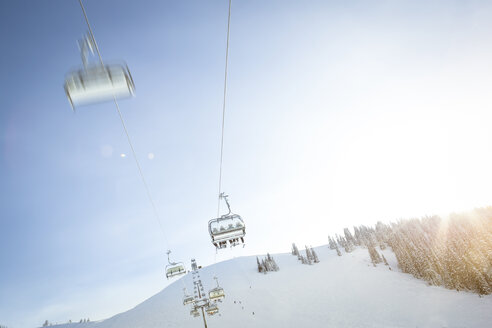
(344, 291)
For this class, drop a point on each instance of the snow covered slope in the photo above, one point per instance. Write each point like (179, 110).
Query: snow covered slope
(344, 291)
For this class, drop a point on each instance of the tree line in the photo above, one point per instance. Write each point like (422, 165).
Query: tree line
(267, 264)
(455, 252)
(46, 323)
(310, 258)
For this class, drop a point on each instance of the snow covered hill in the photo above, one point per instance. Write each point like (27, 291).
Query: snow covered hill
(344, 291)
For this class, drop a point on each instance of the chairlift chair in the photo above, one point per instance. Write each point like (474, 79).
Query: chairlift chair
(187, 299)
(94, 83)
(98, 83)
(212, 309)
(227, 228)
(217, 293)
(194, 312)
(174, 269)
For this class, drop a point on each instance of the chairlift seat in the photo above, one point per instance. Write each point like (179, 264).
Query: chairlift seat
(236, 230)
(212, 309)
(174, 270)
(216, 293)
(188, 299)
(97, 83)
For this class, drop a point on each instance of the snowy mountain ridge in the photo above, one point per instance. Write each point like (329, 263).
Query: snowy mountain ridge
(339, 291)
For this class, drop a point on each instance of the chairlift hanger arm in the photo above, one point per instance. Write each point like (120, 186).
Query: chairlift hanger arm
(86, 44)
(224, 196)
(168, 259)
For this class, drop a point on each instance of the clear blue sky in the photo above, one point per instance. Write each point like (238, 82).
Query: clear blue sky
(339, 113)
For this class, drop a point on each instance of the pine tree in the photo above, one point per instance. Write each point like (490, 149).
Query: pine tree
(384, 260)
(46, 323)
(315, 256)
(303, 260)
(267, 264)
(357, 237)
(295, 251)
(309, 261)
(373, 253)
(274, 265)
(332, 243)
(349, 246)
(309, 256)
(341, 241)
(348, 236)
(264, 266)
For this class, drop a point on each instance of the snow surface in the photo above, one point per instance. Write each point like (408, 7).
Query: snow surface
(344, 291)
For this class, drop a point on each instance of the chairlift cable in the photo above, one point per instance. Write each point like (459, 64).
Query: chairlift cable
(223, 123)
(224, 106)
(144, 181)
(90, 31)
(228, 228)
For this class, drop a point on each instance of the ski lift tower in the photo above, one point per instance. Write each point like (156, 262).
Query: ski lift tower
(201, 302)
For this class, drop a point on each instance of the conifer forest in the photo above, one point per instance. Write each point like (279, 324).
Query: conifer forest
(455, 253)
